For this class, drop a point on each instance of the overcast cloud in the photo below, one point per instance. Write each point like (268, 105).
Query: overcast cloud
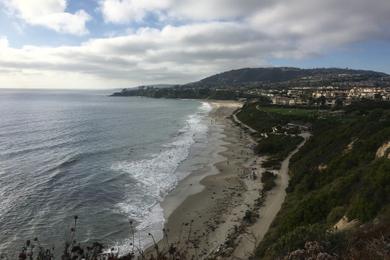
(193, 39)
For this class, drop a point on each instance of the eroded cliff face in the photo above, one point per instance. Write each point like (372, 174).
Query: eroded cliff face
(350, 146)
(345, 224)
(383, 151)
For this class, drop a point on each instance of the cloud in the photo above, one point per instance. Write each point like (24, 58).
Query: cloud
(3, 42)
(304, 27)
(124, 11)
(320, 25)
(202, 10)
(50, 14)
(218, 35)
(146, 56)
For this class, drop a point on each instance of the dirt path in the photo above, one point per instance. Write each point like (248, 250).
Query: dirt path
(235, 119)
(272, 205)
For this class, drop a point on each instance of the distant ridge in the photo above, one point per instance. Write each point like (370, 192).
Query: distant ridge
(276, 74)
(246, 82)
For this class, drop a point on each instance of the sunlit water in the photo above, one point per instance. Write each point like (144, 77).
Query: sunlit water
(102, 158)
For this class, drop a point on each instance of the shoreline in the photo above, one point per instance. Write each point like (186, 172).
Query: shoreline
(212, 203)
(206, 216)
(191, 184)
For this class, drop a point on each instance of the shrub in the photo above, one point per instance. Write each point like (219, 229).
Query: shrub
(268, 180)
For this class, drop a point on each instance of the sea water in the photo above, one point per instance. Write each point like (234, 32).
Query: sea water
(108, 160)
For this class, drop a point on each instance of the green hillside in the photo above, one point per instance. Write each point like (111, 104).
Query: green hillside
(246, 76)
(337, 173)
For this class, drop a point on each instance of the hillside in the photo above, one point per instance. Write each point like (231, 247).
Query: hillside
(250, 82)
(338, 200)
(249, 76)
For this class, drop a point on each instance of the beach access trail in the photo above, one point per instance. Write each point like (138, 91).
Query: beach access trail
(272, 204)
(204, 223)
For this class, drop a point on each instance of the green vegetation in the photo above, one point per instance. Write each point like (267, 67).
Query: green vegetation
(268, 179)
(189, 93)
(336, 174)
(300, 113)
(275, 75)
(277, 147)
(263, 117)
(259, 120)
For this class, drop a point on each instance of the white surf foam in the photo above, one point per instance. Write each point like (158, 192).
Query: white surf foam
(156, 176)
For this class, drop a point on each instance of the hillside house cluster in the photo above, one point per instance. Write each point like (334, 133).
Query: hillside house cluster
(329, 96)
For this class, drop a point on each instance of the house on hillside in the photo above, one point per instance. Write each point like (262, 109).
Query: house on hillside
(280, 100)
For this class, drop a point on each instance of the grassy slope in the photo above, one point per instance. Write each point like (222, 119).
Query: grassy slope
(352, 183)
(263, 118)
(277, 147)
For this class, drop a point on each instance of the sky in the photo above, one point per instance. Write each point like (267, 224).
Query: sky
(87, 44)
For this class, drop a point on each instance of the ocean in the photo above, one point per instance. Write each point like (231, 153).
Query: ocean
(106, 159)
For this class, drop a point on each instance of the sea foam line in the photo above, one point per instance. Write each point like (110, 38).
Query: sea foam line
(157, 176)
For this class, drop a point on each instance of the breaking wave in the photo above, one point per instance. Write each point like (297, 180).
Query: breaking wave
(155, 176)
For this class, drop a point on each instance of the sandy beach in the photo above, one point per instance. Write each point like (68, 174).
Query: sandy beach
(215, 201)
(215, 213)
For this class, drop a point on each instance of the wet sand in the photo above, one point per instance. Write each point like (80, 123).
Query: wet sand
(214, 202)
(205, 214)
